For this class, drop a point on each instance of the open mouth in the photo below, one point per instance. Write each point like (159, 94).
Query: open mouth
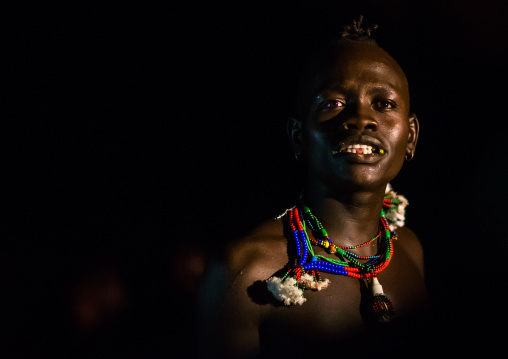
(360, 149)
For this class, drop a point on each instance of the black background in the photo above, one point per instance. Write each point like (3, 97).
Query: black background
(133, 133)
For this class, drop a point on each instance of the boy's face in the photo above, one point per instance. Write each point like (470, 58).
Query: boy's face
(361, 99)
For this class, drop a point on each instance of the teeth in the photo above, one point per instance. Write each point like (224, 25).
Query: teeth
(359, 149)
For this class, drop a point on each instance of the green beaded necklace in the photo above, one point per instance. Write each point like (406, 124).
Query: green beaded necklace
(306, 273)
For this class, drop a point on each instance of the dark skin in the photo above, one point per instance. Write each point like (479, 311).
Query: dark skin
(360, 96)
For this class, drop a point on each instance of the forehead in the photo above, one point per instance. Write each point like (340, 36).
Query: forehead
(353, 64)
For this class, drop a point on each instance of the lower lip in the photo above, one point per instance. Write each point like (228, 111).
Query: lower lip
(358, 157)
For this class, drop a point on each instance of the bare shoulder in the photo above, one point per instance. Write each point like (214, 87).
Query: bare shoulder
(229, 318)
(252, 257)
(408, 237)
(409, 243)
(260, 252)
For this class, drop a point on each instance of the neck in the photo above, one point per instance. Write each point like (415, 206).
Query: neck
(350, 218)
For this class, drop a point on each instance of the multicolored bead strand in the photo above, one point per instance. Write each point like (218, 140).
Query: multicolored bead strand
(381, 305)
(304, 273)
(374, 265)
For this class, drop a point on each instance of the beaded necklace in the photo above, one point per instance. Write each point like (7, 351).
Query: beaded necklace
(305, 273)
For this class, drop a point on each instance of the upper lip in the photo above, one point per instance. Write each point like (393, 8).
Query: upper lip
(360, 140)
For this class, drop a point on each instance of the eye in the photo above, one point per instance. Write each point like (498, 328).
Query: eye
(384, 105)
(328, 105)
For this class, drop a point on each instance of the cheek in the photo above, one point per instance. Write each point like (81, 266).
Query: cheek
(398, 139)
(313, 141)
(317, 152)
(315, 149)
(398, 135)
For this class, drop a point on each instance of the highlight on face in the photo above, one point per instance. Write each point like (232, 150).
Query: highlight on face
(357, 118)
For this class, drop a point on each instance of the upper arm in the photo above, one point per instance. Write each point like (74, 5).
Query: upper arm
(228, 319)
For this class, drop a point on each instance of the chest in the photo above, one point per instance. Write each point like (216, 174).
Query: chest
(343, 308)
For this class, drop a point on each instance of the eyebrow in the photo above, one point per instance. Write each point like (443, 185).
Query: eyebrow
(385, 87)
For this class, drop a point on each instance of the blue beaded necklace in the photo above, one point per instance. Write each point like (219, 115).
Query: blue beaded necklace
(306, 272)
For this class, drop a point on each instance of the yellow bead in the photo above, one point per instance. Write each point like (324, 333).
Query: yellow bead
(326, 244)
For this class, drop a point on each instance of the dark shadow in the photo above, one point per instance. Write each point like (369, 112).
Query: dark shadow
(259, 294)
(365, 303)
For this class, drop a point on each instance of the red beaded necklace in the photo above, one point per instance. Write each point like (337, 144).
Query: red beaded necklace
(305, 273)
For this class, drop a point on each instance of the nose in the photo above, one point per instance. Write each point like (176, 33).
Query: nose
(360, 120)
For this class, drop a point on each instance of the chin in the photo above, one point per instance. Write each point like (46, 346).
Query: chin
(364, 180)
(358, 186)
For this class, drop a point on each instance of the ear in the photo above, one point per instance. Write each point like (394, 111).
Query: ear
(414, 130)
(294, 131)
